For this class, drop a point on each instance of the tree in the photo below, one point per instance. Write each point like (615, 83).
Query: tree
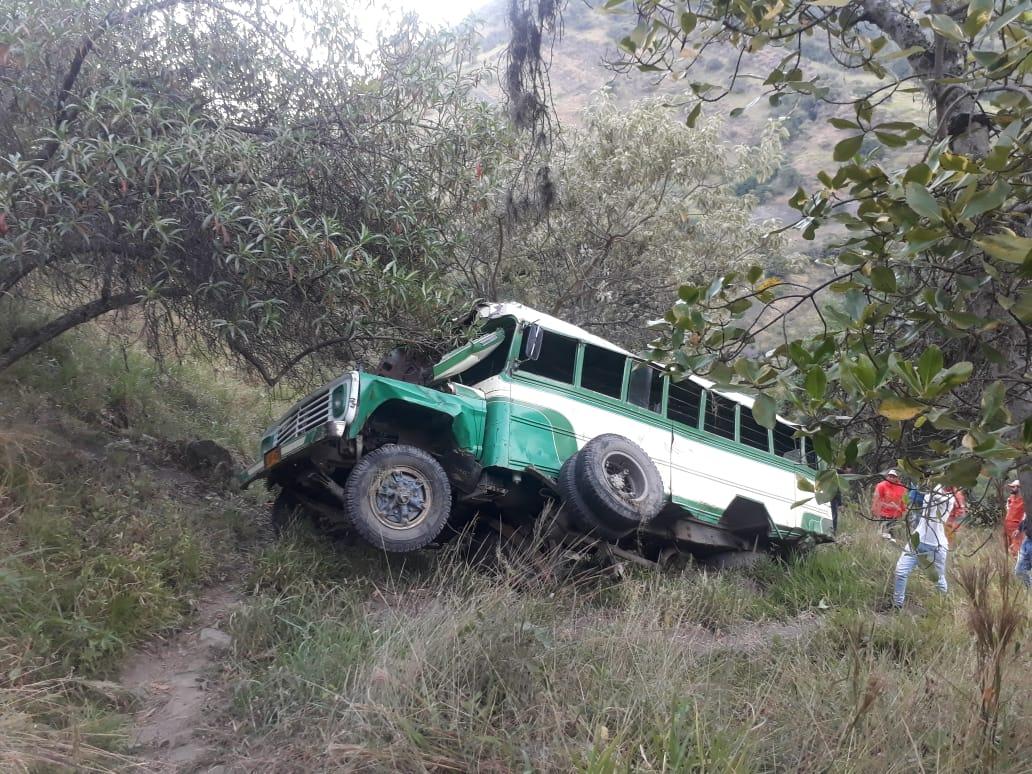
(923, 349)
(266, 191)
(640, 204)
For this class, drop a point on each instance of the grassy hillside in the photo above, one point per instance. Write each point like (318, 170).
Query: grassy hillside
(342, 661)
(105, 539)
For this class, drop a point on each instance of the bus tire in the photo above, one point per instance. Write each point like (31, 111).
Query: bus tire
(398, 498)
(620, 484)
(578, 510)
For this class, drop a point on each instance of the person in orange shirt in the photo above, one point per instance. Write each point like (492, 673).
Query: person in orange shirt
(888, 504)
(1012, 520)
(959, 512)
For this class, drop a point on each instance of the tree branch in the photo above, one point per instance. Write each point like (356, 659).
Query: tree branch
(23, 345)
(64, 111)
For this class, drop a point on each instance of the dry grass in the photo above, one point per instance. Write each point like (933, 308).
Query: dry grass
(104, 541)
(353, 664)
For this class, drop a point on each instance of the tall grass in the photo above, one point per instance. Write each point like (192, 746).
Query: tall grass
(345, 663)
(104, 542)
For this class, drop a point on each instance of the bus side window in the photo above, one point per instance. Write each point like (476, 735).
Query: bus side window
(809, 455)
(684, 401)
(557, 360)
(602, 371)
(785, 445)
(645, 388)
(750, 431)
(720, 416)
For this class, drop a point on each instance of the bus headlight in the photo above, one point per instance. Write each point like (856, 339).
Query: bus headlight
(339, 400)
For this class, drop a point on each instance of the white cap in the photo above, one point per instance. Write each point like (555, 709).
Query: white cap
(1015, 482)
(892, 472)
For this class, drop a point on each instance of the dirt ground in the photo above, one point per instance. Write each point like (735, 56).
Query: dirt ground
(176, 681)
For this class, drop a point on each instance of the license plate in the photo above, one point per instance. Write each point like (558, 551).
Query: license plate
(272, 457)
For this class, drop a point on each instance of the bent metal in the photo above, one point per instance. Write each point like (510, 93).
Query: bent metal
(536, 409)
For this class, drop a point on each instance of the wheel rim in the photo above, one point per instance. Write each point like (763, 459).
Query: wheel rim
(401, 498)
(624, 476)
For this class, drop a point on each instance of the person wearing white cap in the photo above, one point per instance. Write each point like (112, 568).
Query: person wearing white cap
(1012, 519)
(889, 502)
(932, 543)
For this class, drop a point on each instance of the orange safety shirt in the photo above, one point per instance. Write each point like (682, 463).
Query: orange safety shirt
(888, 500)
(958, 514)
(1011, 522)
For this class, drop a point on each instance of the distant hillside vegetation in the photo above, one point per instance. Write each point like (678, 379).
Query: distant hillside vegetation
(579, 71)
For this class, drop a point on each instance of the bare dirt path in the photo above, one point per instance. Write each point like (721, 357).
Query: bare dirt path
(172, 680)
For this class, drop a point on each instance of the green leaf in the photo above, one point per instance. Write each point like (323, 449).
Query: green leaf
(947, 27)
(900, 409)
(816, 383)
(764, 410)
(865, 372)
(720, 373)
(890, 140)
(883, 279)
(922, 202)
(988, 199)
(1007, 246)
(848, 148)
(822, 445)
(958, 373)
(1005, 19)
(993, 398)
(739, 305)
(689, 293)
(964, 472)
(687, 21)
(1022, 308)
(929, 365)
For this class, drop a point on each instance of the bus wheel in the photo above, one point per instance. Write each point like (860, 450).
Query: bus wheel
(574, 504)
(398, 498)
(619, 482)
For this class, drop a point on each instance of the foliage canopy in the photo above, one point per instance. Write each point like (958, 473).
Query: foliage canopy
(265, 190)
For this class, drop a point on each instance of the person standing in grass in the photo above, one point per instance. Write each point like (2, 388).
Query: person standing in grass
(889, 502)
(1012, 519)
(1023, 567)
(958, 514)
(929, 525)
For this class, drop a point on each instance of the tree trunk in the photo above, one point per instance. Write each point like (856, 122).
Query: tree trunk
(32, 341)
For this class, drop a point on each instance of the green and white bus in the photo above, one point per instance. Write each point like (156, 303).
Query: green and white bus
(535, 409)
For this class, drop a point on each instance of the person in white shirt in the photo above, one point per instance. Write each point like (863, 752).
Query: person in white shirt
(929, 523)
